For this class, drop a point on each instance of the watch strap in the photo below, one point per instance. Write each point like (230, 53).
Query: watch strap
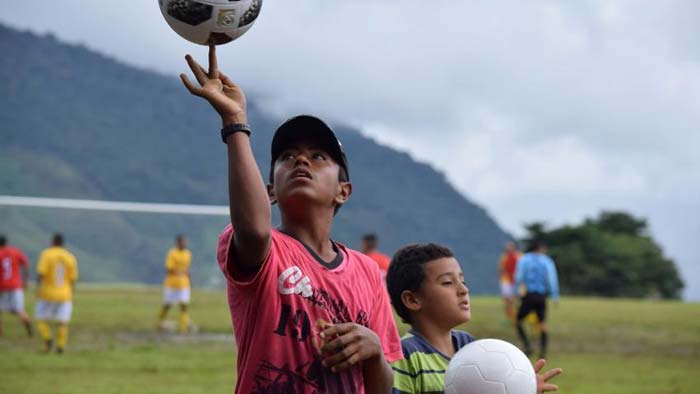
(234, 128)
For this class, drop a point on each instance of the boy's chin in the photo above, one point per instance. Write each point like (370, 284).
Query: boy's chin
(462, 318)
(298, 198)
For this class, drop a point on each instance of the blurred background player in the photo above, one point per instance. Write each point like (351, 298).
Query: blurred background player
(57, 272)
(506, 269)
(370, 243)
(14, 275)
(177, 283)
(536, 271)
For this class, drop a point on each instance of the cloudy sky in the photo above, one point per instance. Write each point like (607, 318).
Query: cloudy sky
(538, 110)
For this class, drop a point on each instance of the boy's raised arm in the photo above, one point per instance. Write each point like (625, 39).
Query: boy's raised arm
(249, 204)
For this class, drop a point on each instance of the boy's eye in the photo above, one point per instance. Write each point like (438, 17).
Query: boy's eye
(447, 283)
(318, 156)
(286, 157)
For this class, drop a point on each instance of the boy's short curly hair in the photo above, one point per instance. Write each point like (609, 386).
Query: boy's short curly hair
(406, 272)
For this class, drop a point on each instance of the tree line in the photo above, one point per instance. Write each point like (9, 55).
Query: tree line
(612, 255)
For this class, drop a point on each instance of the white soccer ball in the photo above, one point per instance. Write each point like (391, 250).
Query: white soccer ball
(490, 366)
(208, 22)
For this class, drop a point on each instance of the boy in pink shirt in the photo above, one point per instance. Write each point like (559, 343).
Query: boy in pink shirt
(309, 314)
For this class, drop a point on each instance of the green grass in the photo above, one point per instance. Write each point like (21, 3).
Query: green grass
(604, 346)
(612, 346)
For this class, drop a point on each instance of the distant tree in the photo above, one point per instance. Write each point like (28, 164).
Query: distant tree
(535, 231)
(620, 223)
(610, 256)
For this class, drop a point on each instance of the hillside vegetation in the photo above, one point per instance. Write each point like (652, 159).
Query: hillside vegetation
(77, 124)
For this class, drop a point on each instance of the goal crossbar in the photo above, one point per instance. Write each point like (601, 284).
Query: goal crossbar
(122, 206)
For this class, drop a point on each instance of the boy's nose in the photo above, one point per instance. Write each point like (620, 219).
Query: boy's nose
(463, 289)
(301, 159)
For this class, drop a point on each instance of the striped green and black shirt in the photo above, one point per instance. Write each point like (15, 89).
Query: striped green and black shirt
(422, 369)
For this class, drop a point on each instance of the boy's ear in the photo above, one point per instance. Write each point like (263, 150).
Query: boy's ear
(344, 192)
(411, 301)
(271, 194)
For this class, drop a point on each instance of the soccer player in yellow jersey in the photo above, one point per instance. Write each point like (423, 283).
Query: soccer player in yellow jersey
(177, 282)
(57, 272)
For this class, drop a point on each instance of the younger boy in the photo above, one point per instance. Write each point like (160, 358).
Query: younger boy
(427, 289)
(309, 314)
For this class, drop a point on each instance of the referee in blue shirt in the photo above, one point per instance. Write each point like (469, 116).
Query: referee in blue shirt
(537, 272)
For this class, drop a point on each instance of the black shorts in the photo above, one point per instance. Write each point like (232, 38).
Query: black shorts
(533, 302)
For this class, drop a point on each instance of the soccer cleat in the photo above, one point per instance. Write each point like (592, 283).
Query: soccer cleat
(59, 350)
(48, 345)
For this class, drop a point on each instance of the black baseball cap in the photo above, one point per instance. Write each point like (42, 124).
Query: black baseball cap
(311, 128)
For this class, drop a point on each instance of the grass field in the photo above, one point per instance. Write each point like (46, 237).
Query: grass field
(604, 346)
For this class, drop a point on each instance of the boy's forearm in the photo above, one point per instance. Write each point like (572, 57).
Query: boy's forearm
(378, 376)
(249, 204)
(248, 201)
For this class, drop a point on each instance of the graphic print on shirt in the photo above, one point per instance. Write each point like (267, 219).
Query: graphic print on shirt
(296, 325)
(309, 377)
(293, 281)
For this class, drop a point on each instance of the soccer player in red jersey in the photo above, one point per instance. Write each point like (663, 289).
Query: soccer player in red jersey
(14, 272)
(370, 245)
(309, 314)
(506, 269)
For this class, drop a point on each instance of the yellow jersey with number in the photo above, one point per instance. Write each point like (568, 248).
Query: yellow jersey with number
(177, 262)
(58, 269)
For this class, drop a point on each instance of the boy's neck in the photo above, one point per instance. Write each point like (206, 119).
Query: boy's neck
(312, 229)
(440, 338)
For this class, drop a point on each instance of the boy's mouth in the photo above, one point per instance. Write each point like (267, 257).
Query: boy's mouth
(300, 173)
(464, 304)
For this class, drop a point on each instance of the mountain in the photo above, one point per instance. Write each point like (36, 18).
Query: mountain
(78, 124)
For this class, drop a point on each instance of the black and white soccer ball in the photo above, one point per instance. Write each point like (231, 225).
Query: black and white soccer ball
(210, 22)
(490, 366)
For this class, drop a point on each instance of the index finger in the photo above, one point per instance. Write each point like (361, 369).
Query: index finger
(338, 329)
(213, 63)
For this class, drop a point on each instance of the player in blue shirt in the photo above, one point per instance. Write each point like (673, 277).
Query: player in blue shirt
(536, 271)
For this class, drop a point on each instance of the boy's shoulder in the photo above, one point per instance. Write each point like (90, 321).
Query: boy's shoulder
(461, 338)
(413, 342)
(286, 252)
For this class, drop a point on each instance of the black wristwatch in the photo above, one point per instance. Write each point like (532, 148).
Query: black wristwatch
(234, 128)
